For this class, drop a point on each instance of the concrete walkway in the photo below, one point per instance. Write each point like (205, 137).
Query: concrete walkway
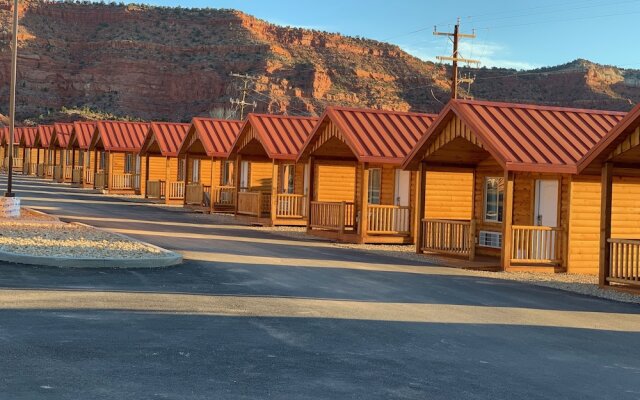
(252, 315)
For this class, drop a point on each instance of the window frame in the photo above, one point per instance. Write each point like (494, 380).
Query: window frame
(370, 189)
(499, 201)
(288, 187)
(226, 176)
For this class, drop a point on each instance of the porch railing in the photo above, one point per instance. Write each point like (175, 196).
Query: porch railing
(32, 169)
(291, 206)
(89, 176)
(535, 245)
(156, 189)
(18, 162)
(254, 203)
(48, 170)
(57, 172)
(68, 172)
(76, 174)
(453, 237)
(625, 261)
(194, 194)
(40, 170)
(388, 220)
(224, 196)
(332, 215)
(100, 180)
(125, 181)
(176, 190)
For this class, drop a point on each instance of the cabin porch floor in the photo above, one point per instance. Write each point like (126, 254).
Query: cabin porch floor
(480, 263)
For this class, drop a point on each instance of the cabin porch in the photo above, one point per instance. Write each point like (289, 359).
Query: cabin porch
(518, 218)
(620, 216)
(270, 192)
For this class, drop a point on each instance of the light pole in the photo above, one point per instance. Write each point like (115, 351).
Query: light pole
(12, 97)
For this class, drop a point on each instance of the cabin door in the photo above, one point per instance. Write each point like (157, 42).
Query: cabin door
(402, 192)
(403, 181)
(546, 204)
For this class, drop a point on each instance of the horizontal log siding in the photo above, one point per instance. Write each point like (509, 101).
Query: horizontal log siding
(260, 175)
(449, 195)
(335, 181)
(584, 228)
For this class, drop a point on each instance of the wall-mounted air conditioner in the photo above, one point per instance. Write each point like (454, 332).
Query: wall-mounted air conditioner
(490, 239)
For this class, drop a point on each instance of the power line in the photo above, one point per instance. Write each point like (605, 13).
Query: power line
(455, 36)
(242, 103)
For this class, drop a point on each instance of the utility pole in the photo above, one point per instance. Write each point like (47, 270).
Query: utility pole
(455, 37)
(12, 98)
(241, 102)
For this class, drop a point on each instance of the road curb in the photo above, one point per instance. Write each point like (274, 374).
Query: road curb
(168, 259)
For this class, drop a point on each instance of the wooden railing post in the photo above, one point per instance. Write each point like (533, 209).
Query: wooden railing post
(605, 223)
(341, 216)
(507, 218)
(472, 240)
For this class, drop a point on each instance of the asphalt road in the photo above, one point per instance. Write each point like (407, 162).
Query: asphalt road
(253, 315)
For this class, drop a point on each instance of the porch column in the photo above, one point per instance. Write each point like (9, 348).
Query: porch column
(186, 177)
(110, 168)
(507, 219)
(421, 191)
(274, 190)
(214, 184)
(605, 223)
(146, 175)
(237, 177)
(311, 189)
(363, 202)
(95, 166)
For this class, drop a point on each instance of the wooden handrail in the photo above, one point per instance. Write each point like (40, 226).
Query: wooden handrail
(453, 237)
(125, 181)
(332, 215)
(624, 261)
(176, 190)
(250, 203)
(291, 205)
(388, 220)
(224, 196)
(194, 194)
(535, 245)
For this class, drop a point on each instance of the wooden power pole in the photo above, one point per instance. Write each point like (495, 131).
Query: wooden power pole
(241, 103)
(455, 37)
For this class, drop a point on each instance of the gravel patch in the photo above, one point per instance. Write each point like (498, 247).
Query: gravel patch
(47, 238)
(576, 283)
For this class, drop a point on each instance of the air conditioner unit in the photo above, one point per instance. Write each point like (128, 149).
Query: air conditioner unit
(490, 239)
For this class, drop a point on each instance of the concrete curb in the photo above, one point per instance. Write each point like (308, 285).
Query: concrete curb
(168, 259)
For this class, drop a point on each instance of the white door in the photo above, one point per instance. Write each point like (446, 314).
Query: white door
(244, 175)
(403, 183)
(546, 204)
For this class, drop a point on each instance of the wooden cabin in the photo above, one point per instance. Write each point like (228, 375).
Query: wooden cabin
(82, 162)
(270, 184)
(29, 150)
(210, 174)
(17, 149)
(3, 146)
(44, 160)
(610, 192)
(116, 160)
(62, 156)
(514, 199)
(359, 193)
(164, 170)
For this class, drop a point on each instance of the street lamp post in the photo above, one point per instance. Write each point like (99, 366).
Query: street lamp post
(12, 98)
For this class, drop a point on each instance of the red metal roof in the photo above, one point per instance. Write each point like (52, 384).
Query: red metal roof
(168, 135)
(122, 136)
(281, 136)
(82, 134)
(376, 135)
(45, 134)
(525, 137)
(61, 134)
(216, 135)
(16, 135)
(27, 136)
(618, 134)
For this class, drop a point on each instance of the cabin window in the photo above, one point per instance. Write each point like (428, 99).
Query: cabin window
(102, 163)
(288, 178)
(375, 185)
(195, 171)
(129, 163)
(493, 199)
(226, 177)
(81, 158)
(181, 164)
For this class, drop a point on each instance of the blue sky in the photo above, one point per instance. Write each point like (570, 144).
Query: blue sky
(515, 33)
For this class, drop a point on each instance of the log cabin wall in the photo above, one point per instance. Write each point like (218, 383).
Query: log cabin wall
(448, 195)
(260, 176)
(334, 181)
(584, 228)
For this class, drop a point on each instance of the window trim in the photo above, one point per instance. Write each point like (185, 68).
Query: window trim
(370, 186)
(288, 187)
(497, 220)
